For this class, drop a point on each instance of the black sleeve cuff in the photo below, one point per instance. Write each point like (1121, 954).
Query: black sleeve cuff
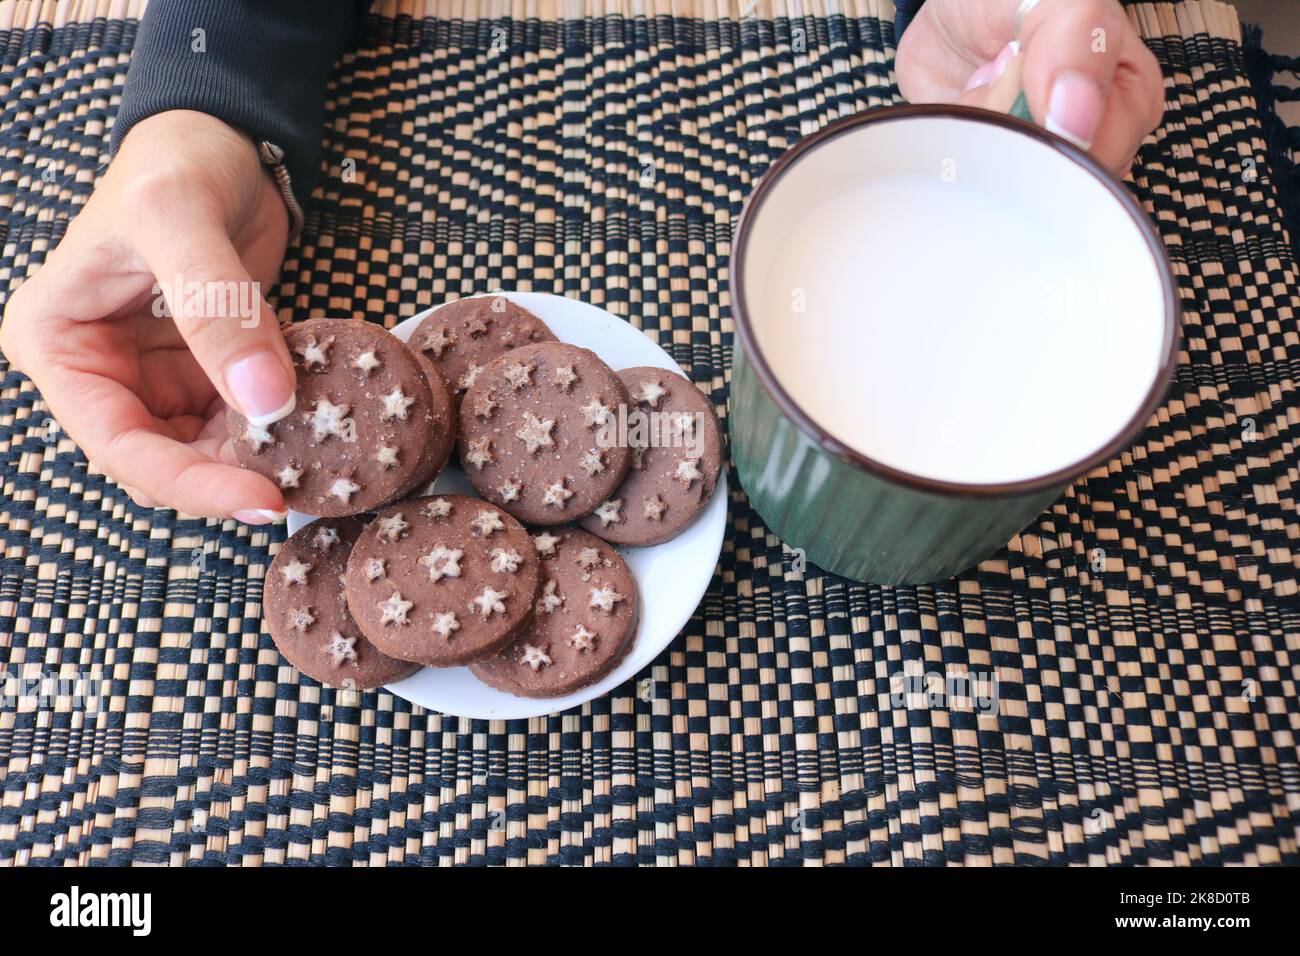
(904, 11)
(259, 65)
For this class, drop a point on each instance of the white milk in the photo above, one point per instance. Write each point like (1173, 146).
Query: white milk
(955, 300)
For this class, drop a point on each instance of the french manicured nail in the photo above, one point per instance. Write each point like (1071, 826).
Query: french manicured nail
(1074, 108)
(258, 516)
(261, 388)
(994, 68)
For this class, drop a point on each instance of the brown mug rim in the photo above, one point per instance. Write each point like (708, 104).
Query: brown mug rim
(1060, 477)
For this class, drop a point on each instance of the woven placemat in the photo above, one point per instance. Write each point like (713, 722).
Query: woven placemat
(1146, 704)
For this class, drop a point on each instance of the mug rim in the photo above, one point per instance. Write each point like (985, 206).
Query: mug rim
(1059, 477)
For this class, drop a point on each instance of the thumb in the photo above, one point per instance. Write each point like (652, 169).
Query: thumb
(222, 315)
(1071, 54)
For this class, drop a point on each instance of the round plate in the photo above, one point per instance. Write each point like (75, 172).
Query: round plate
(672, 576)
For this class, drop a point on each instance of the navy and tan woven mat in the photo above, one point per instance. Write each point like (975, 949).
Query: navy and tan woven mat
(1139, 644)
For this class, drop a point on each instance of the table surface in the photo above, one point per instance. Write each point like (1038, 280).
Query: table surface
(1146, 710)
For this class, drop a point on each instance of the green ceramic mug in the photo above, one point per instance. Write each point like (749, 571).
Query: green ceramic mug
(944, 316)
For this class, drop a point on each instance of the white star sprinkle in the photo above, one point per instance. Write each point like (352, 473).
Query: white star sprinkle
(394, 609)
(395, 405)
(650, 393)
(479, 453)
(314, 353)
(536, 432)
(342, 648)
(343, 489)
(489, 603)
(301, 618)
(588, 559)
(257, 436)
(688, 471)
(295, 572)
(534, 657)
(442, 563)
(519, 375)
(654, 508)
(595, 412)
(509, 490)
(605, 598)
(484, 405)
(328, 419)
(374, 569)
(551, 599)
(469, 378)
(392, 528)
(608, 512)
(325, 539)
(437, 508)
(557, 495)
(546, 543)
(288, 476)
(387, 456)
(367, 361)
(505, 562)
(445, 623)
(564, 377)
(593, 463)
(583, 639)
(486, 522)
(437, 341)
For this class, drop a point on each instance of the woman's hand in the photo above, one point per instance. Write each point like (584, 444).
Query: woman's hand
(186, 206)
(1087, 75)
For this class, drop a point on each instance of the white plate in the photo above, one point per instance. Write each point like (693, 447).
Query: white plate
(672, 576)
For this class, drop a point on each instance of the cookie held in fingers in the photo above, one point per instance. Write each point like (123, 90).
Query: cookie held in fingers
(463, 337)
(359, 432)
(442, 580)
(539, 433)
(676, 455)
(307, 614)
(584, 623)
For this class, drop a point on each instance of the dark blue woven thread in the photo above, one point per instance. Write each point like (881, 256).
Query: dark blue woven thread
(1283, 141)
(837, 635)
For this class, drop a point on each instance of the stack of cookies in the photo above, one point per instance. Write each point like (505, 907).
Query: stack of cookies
(523, 585)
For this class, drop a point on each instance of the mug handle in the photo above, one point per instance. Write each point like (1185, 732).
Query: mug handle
(1007, 93)
(1020, 109)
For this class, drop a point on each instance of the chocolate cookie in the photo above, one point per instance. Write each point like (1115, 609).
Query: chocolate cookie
(307, 615)
(362, 427)
(676, 454)
(438, 450)
(442, 580)
(583, 625)
(463, 337)
(539, 433)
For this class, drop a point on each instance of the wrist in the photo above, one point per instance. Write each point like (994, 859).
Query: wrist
(190, 148)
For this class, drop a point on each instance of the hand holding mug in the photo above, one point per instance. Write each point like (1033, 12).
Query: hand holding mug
(1085, 72)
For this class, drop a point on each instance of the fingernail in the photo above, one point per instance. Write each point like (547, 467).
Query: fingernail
(994, 68)
(258, 515)
(1074, 108)
(261, 388)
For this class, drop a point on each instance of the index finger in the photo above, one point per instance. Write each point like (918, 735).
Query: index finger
(114, 429)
